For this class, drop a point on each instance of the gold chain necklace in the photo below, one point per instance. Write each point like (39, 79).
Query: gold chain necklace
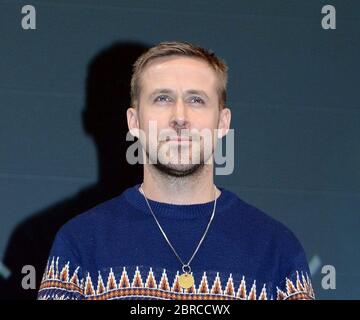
(186, 280)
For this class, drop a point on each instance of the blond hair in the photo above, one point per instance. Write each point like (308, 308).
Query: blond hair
(175, 48)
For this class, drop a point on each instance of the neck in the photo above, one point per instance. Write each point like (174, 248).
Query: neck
(192, 189)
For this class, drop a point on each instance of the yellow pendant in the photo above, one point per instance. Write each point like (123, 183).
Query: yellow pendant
(186, 280)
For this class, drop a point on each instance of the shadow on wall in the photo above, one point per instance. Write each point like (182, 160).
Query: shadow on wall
(104, 119)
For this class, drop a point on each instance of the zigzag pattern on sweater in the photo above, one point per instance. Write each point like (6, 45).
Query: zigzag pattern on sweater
(59, 284)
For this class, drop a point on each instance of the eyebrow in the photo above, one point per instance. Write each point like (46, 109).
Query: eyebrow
(169, 91)
(161, 91)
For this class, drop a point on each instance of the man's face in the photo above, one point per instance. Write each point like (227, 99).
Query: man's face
(179, 99)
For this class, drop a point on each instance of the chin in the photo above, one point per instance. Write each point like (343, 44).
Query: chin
(178, 170)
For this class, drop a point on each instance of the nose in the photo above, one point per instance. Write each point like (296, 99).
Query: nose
(179, 115)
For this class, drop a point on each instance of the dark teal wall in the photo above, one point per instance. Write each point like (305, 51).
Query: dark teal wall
(293, 90)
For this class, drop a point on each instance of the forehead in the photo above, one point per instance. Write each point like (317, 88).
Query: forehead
(179, 72)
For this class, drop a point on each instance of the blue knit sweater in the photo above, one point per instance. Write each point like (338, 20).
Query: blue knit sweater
(116, 251)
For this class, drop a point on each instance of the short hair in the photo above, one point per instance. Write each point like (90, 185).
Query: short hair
(184, 49)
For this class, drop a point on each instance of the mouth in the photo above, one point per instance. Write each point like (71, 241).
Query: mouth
(178, 139)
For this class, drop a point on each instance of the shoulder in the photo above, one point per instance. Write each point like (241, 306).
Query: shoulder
(260, 226)
(90, 221)
(270, 241)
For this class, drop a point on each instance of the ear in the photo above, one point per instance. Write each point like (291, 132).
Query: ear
(224, 122)
(133, 121)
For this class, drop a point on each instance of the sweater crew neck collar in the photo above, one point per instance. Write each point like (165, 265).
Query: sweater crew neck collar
(178, 211)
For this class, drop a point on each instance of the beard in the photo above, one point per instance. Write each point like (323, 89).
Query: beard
(177, 169)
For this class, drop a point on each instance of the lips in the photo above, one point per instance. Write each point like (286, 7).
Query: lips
(178, 139)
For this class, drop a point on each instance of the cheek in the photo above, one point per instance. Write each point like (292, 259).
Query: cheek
(210, 123)
(155, 117)
(209, 117)
(209, 132)
(151, 129)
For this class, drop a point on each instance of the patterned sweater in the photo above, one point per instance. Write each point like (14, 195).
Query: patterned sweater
(116, 251)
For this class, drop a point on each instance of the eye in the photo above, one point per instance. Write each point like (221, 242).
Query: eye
(196, 100)
(162, 98)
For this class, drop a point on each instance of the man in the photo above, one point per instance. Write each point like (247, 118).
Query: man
(177, 235)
